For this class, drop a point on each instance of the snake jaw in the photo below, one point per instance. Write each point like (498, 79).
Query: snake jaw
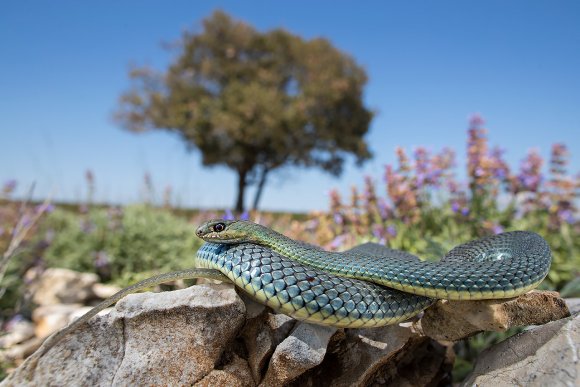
(217, 238)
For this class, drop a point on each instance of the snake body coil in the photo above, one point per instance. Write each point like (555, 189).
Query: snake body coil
(306, 293)
(267, 265)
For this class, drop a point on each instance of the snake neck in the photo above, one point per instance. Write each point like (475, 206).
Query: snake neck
(282, 244)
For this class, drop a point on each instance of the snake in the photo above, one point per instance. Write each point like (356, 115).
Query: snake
(370, 285)
(367, 286)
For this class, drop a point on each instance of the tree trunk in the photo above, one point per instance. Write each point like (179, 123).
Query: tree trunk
(242, 177)
(260, 188)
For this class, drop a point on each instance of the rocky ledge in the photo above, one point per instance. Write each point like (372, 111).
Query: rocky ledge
(209, 335)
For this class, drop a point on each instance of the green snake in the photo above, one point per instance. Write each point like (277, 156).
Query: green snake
(367, 286)
(370, 285)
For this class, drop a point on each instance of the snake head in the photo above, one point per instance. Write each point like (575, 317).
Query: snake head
(225, 231)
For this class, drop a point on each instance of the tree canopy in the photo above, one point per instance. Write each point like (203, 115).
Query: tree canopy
(254, 101)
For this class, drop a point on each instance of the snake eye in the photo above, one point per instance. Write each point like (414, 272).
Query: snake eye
(219, 227)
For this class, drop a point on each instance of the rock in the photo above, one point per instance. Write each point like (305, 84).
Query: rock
(82, 310)
(170, 338)
(397, 355)
(104, 291)
(280, 326)
(18, 332)
(253, 308)
(547, 355)
(17, 353)
(235, 374)
(455, 320)
(302, 350)
(208, 335)
(63, 286)
(573, 304)
(262, 335)
(50, 318)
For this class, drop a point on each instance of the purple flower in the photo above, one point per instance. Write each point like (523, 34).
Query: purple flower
(337, 242)
(465, 211)
(499, 173)
(392, 231)
(9, 186)
(378, 231)
(48, 208)
(476, 120)
(420, 179)
(26, 220)
(338, 218)
(566, 215)
(228, 215)
(383, 208)
(455, 207)
(497, 229)
(101, 259)
(245, 216)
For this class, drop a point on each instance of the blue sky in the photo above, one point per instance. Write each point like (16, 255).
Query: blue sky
(430, 65)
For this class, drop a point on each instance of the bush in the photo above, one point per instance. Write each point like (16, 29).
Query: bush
(116, 243)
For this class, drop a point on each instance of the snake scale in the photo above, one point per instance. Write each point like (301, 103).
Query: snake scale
(367, 286)
(370, 285)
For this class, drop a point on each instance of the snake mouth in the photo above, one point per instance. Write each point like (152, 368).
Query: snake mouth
(216, 238)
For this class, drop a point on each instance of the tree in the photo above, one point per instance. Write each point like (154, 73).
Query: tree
(254, 101)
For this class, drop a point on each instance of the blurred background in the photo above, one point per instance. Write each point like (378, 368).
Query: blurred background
(419, 125)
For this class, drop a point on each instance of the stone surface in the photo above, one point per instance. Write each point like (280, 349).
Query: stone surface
(573, 304)
(302, 350)
(208, 335)
(17, 353)
(261, 336)
(547, 355)
(455, 320)
(63, 286)
(18, 332)
(50, 318)
(171, 338)
(395, 355)
(235, 374)
(104, 291)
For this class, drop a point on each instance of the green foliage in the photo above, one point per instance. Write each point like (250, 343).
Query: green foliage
(254, 101)
(114, 242)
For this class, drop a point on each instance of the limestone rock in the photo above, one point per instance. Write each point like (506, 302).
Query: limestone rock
(63, 286)
(17, 353)
(262, 335)
(573, 304)
(455, 320)
(547, 355)
(234, 374)
(304, 349)
(171, 338)
(395, 355)
(280, 326)
(18, 332)
(208, 335)
(50, 318)
(104, 291)
(82, 310)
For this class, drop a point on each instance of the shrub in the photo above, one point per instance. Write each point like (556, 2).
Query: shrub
(113, 241)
